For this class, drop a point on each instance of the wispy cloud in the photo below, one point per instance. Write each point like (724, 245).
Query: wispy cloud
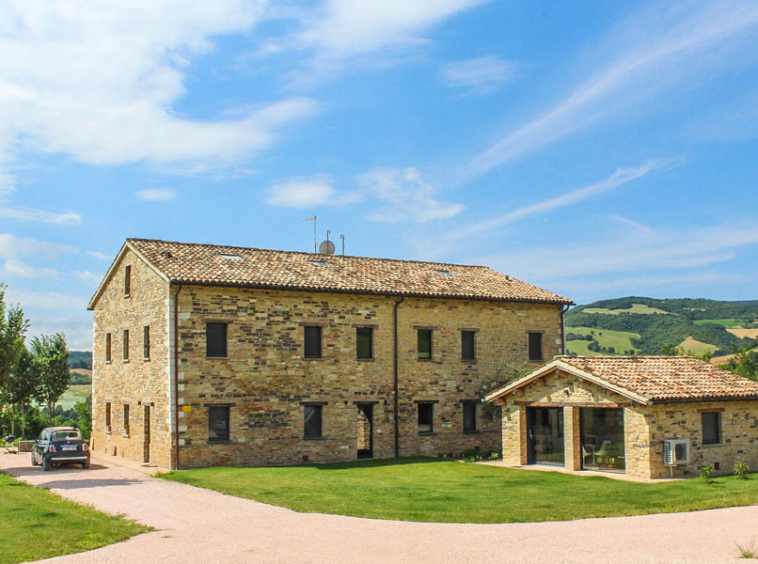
(304, 193)
(88, 277)
(99, 256)
(41, 216)
(45, 300)
(481, 75)
(156, 194)
(12, 247)
(672, 54)
(19, 269)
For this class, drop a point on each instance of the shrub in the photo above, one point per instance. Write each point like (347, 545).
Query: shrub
(706, 473)
(741, 469)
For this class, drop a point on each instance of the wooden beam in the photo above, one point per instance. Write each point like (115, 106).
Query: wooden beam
(570, 404)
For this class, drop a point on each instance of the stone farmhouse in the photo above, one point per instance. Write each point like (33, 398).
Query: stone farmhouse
(209, 355)
(648, 417)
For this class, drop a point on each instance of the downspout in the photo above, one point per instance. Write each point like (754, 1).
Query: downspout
(176, 375)
(564, 309)
(396, 382)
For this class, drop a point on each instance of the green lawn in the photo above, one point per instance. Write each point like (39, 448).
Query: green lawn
(619, 340)
(454, 492)
(36, 524)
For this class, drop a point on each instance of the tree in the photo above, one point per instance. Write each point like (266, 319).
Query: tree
(22, 385)
(50, 362)
(505, 374)
(84, 414)
(13, 328)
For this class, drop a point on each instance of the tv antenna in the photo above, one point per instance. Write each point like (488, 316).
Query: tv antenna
(327, 247)
(315, 237)
(343, 244)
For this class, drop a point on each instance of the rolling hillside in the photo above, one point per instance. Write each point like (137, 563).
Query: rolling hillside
(637, 325)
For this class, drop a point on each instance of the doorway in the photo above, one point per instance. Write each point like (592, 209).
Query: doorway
(146, 435)
(365, 430)
(544, 439)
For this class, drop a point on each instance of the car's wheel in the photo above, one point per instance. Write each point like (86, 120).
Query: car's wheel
(85, 465)
(46, 465)
(34, 460)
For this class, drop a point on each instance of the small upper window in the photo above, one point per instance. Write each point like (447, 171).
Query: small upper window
(425, 344)
(711, 428)
(128, 279)
(107, 347)
(468, 345)
(312, 345)
(230, 256)
(365, 342)
(215, 339)
(125, 342)
(146, 342)
(535, 346)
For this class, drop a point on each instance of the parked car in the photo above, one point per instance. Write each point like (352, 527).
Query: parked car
(60, 445)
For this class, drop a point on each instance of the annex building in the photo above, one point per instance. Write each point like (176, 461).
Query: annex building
(209, 355)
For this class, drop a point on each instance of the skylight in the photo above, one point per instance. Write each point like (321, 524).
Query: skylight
(229, 256)
(446, 272)
(321, 263)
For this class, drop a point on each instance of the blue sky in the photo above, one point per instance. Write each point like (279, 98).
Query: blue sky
(596, 149)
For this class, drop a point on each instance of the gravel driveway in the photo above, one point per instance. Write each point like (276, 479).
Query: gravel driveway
(197, 525)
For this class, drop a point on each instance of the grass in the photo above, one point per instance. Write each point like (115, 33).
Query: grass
(725, 323)
(74, 394)
(36, 524)
(697, 347)
(619, 340)
(636, 308)
(453, 492)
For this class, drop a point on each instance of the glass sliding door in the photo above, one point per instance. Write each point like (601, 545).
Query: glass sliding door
(545, 443)
(603, 439)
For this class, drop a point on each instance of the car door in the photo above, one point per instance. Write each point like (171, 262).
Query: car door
(41, 445)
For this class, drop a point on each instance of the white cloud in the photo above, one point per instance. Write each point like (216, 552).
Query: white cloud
(88, 277)
(156, 194)
(13, 247)
(667, 47)
(407, 197)
(45, 300)
(77, 328)
(99, 255)
(41, 216)
(479, 76)
(16, 268)
(302, 193)
(98, 80)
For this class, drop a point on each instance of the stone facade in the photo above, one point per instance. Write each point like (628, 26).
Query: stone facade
(645, 427)
(264, 379)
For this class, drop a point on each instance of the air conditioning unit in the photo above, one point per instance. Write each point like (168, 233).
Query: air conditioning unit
(676, 451)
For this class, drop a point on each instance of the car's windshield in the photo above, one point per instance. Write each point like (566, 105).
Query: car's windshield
(66, 435)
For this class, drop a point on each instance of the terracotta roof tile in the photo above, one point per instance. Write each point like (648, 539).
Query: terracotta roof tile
(666, 378)
(191, 263)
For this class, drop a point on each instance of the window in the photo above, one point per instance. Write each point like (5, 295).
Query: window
(312, 342)
(535, 346)
(469, 417)
(218, 423)
(425, 417)
(146, 342)
(468, 345)
(425, 343)
(107, 347)
(215, 339)
(365, 342)
(126, 419)
(711, 428)
(229, 256)
(125, 342)
(128, 280)
(107, 417)
(312, 421)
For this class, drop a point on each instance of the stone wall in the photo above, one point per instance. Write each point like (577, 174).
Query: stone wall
(265, 379)
(138, 382)
(739, 436)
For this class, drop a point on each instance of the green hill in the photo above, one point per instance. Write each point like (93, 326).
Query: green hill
(638, 325)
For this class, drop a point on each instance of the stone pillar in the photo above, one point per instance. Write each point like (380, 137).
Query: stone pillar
(514, 435)
(572, 434)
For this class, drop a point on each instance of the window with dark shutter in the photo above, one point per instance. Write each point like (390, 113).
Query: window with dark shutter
(711, 428)
(312, 348)
(468, 345)
(469, 417)
(365, 342)
(218, 423)
(425, 417)
(108, 417)
(126, 419)
(312, 421)
(107, 347)
(215, 339)
(146, 342)
(535, 346)
(425, 344)
(125, 343)
(128, 279)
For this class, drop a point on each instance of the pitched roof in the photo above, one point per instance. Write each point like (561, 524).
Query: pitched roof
(197, 264)
(650, 379)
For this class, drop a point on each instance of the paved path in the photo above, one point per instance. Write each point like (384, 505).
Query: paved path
(197, 525)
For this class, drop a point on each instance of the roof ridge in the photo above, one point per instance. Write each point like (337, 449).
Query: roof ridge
(141, 239)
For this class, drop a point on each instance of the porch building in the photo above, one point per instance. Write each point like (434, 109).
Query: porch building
(647, 417)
